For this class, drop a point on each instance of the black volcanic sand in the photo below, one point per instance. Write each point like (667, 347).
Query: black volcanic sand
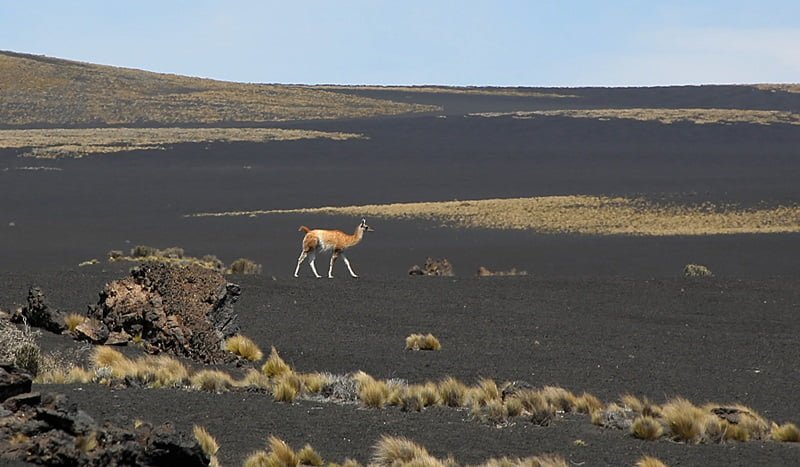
(610, 314)
(706, 340)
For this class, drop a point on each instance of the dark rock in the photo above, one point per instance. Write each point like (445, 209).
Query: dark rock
(29, 399)
(432, 267)
(184, 309)
(13, 382)
(47, 429)
(39, 314)
(118, 338)
(93, 331)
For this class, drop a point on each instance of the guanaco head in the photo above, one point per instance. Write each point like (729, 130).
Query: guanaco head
(363, 226)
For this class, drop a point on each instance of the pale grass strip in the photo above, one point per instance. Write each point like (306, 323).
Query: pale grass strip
(665, 116)
(592, 215)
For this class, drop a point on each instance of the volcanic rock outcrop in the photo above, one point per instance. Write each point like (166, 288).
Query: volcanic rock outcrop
(38, 313)
(44, 428)
(183, 309)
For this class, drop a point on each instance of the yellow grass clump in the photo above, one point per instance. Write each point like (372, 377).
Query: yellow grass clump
(397, 450)
(243, 347)
(648, 461)
(686, 421)
(211, 381)
(587, 403)
(314, 382)
(646, 428)
(280, 453)
(275, 366)
(258, 459)
(206, 441)
(544, 460)
(577, 214)
(452, 392)
(788, 432)
(374, 393)
(72, 321)
(422, 342)
(285, 390)
(308, 456)
(254, 379)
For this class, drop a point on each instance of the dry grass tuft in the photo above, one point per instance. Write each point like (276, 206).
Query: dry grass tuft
(452, 392)
(314, 382)
(646, 428)
(281, 453)
(562, 399)
(374, 393)
(275, 366)
(212, 381)
(308, 456)
(395, 450)
(105, 356)
(254, 379)
(578, 214)
(587, 403)
(72, 321)
(545, 460)
(788, 432)
(648, 461)
(686, 421)
(285, 390)
(244, 266)
(422, 342)
(243, 347)
(536, 405)
(207, 442)
(258, 459)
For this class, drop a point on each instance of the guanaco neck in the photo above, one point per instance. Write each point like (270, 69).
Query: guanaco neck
(357, 236)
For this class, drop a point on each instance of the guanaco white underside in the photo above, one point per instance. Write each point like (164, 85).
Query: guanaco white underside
(318, 240)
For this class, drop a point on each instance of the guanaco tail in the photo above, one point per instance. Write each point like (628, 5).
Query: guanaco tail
(318, 240)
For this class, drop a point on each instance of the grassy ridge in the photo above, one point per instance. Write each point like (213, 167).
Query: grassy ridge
(41, 91)
(593, 215)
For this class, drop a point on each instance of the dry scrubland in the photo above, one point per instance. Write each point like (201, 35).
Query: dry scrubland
(55, 143)
(38, 90)
(665, 116)
(468, 90)
(595, 215)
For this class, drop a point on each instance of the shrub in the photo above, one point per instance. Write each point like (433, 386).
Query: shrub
(560, 398)
(587, 403)
(72, 321)
(211, 381)
(257, 459)
(648, 461)
(207, 442)
(373, 393)
(314, 382)
(422, 342)
(686, 422)
(697, 270)
(244, 266)
(142, 251)
(281, 453)
(254, 379)
(275, 366)
(452, 392)
(28, 357)
(395, 450)
(308, 456)
(788, 432)
(646, 428)
(243, 347)
(285, 390)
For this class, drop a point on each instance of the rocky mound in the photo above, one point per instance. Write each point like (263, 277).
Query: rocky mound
(432, 267)
(47, 429)
(38, 313)
(183, 309)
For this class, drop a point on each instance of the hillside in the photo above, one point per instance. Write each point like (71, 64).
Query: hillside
(37, 91)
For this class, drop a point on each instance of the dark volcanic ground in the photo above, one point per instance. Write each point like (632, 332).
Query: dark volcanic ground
(610, 314)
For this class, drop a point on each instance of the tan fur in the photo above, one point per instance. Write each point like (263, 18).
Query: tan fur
(317, 240)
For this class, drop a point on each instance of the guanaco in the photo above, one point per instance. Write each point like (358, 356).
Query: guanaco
(318, 240)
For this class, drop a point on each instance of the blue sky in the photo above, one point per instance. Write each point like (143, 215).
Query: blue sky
(537, 43)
